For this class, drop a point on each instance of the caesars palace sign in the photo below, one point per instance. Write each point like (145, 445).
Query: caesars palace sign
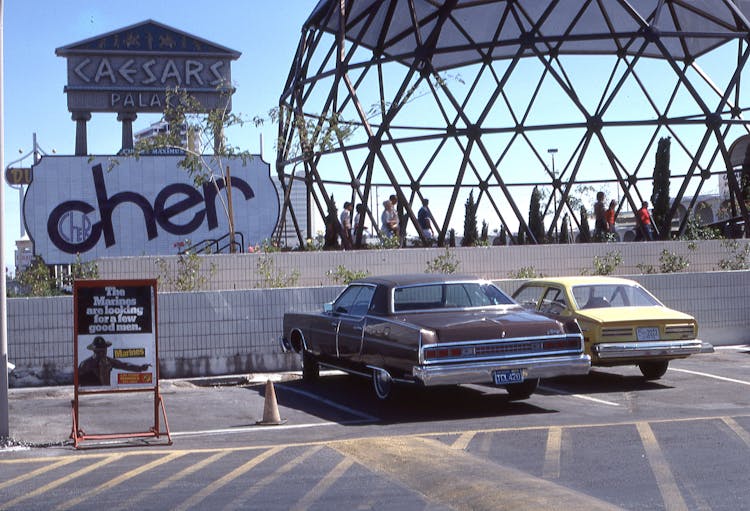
(85, 205)
(146, 206)
(129, 70)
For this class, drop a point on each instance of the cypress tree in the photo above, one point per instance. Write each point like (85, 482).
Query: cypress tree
(331, 240)
(660, 195)
(471, 235)
(536, 220)
(564, 234)
(745, 176)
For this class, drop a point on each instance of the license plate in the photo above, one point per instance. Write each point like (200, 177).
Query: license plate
(647, 333)
(506, 376)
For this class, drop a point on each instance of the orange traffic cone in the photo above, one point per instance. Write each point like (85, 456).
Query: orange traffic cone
(271, 415)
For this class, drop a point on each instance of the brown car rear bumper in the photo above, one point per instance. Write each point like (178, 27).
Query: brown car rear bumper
(614, 350)
(540, 367)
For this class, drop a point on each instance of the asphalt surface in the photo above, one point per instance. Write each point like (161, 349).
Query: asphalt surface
(606, 440)
(43, 416)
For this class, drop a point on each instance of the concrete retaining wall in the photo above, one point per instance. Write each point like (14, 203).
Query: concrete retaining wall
(229, 332)
(241, 271)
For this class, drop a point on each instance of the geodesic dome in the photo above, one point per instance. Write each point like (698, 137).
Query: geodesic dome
(431, 99)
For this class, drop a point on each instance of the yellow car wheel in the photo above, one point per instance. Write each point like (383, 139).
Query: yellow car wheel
(653, 370)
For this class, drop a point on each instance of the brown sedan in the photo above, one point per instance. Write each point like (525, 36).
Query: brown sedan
(433, 329)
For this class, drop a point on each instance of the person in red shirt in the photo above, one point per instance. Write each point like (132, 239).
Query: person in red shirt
(610, 215)
(643, 218)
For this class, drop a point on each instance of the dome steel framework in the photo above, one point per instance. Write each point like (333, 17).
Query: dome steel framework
(439, 99)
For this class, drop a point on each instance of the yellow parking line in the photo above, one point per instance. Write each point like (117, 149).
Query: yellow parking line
(314, 494)
(739, 430)
(63, 480)
(483, 485)
(665, 480)
(36, 472)
(166, 483)
(551, 468)
(223, 481)
(72, 503)
(241, 501)
(463, 441)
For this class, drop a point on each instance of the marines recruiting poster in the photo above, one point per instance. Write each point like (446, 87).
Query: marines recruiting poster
(115, 337)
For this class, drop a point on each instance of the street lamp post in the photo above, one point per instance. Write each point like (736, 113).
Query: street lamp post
(552, 151)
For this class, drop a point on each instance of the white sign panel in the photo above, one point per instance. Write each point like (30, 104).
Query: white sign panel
(146, 206)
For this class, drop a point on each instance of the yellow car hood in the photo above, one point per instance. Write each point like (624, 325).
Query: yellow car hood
(641, 314)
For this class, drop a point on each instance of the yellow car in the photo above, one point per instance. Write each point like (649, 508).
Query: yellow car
(621, 322)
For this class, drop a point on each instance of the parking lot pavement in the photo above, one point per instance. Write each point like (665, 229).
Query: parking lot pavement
(42, 417)
(231, 406)
(606, 440)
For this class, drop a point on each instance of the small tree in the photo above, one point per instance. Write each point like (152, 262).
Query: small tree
(471, 235)
(660, 195)
(585, 234)
(207, 150)
(536, 219)
(36, 279)
(485, 233)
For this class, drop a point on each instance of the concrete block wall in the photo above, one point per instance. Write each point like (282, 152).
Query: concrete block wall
(240, 271)
(236, 332)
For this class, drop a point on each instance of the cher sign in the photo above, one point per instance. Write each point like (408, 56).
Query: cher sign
(92, 207)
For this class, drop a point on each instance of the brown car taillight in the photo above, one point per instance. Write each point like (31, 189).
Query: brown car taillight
(512, 348)
(435, 353)
(562, 344)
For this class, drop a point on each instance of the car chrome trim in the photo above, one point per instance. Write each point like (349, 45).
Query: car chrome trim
(520, 341)
(481, 372)
(360, 373)
(606, 351)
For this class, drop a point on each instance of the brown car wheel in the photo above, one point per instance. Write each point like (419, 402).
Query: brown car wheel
(310, 367)
(522, 390)
(382, 383)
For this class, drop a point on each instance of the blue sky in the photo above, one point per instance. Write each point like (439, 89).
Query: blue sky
(266, 33)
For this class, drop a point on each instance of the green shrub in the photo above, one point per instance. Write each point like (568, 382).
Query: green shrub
(525, 272)
(444, 263)
(343, 275)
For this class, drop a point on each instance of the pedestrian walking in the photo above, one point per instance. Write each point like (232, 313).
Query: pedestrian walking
(425, 219)
(610, 215)
(346, 225)
(600, 220)
(389, 220)
(644, 225)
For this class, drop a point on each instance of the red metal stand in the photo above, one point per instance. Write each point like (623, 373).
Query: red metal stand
(78, 435)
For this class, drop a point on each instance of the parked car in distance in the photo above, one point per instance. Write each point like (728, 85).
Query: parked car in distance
(433, 329)
(621, 322)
